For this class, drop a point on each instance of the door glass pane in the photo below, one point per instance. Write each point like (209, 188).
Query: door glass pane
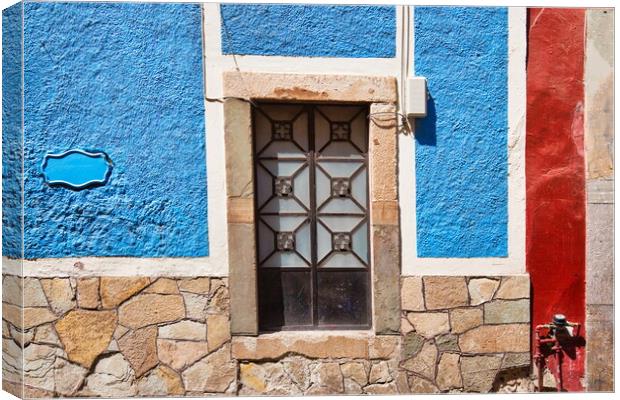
(312, 206)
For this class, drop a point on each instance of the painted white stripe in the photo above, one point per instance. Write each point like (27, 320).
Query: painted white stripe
(515, 262)
(111, 266)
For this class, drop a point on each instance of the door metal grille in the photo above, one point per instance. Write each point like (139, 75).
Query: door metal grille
(311, 177)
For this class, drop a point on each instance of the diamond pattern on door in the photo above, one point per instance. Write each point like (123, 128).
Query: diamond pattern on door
(312, 215)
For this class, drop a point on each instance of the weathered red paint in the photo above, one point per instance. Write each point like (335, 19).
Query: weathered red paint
(555, 172)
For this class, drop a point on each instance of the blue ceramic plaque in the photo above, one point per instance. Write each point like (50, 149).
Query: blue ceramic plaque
(77, 169)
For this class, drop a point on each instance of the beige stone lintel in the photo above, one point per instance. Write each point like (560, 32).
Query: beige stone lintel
(297, 87)
(240, 211)
(385, 212)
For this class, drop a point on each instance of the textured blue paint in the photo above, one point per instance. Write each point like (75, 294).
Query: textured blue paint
(309, 30)
(12, 154)
(124, 78)
(77, 169)
(461, 146)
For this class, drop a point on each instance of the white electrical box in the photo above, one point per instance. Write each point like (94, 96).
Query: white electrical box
(415, 97)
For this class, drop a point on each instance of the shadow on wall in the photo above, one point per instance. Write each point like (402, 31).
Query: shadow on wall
(426, 128)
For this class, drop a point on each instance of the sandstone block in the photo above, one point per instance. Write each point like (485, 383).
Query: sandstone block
(445, 292)
(381, 389)
(516, 360)
(68, 377)
(447, 342)
(148, 309)
(195, 306)
(513, 338)
(86, 334)
(412, 343)
(196, 285)
(507, 311)
(267, 379)
(215, 373)
(421, 385)
(355, 371)
(88, 293)
(297, 369)
(12, 290)
(218, 330)
(184, 330)
(59, 293)
(463, 319)
(163, 286)
(33, 293)
(35, 316)
(112, 377)
(479, 372)
(481, 290)
(412, 298)
(39, 366)
(115, 290)
(514, 287)
(424, 362)
(180, 354)
(139, 348)
(162, 381)
(383, 346)
(429, 324)
(329, 377)
(379, 373)
(448, 372)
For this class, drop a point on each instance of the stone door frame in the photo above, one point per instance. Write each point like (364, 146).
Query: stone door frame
(380, 93)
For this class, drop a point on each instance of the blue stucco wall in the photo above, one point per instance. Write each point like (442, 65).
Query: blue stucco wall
(125, 79)
(461, 146)
(309, 30)
(12, 131)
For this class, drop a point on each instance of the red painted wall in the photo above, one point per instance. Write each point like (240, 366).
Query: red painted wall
(555, 171)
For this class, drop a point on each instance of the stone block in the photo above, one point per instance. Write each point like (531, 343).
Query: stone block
(448, 372)
(599, 253)
(442, 292)
(423, 363)
(218, 330)
(296, 87)
(481, 290)
(242, 275)
(412, 297)
(88, 293)
(463, 319)
(162, 381)
(85, 334)
(115, 290)
(385, 212)
(139, 348)
(33, 293)
(163, 286)
(383, 148)
(238, 142)
(507, 311)
(59, 293)
(386, 278)
(200, 285)
(429, 324)
(184, 330)
(214, 374)
(512, 338)
(514, 287)
(479, 372)
(148, 309)
(180, 354)
(599, 360)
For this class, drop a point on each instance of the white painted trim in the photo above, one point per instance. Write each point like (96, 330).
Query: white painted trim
(112, 266)
(515, 262)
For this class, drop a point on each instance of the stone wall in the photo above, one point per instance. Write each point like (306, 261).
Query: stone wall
(466, 334)
(140, 336)
(117, 337)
